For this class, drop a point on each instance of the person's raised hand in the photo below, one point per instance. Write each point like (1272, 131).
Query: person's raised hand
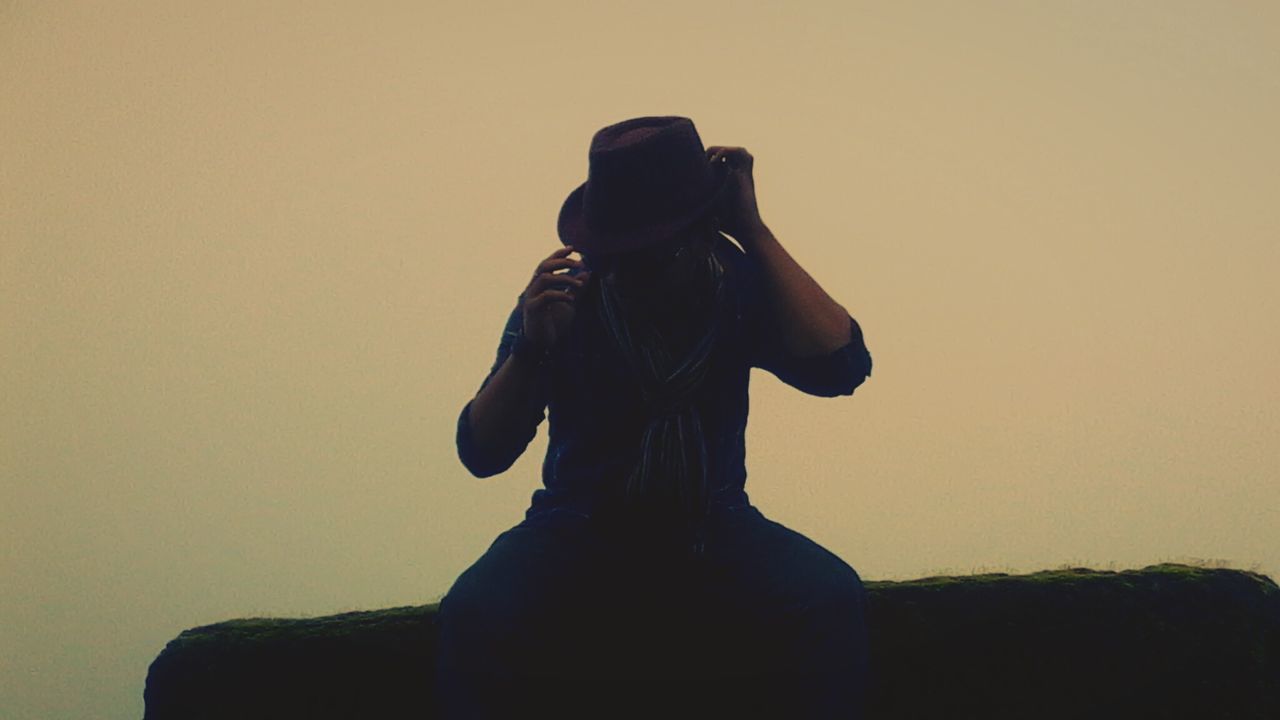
(738, 210)
(549, 298)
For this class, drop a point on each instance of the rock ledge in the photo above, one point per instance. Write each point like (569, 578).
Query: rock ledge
(1167, 641)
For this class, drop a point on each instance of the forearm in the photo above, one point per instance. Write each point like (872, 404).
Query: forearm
(500, 411)
(808, 320)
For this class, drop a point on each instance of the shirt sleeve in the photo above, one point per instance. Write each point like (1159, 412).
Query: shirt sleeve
(484, 464)
(836, 373)
(839, 372)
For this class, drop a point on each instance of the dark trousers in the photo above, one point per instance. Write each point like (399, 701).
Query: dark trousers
(566, 616)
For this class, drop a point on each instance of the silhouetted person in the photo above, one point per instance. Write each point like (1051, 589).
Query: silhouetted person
(642, 582)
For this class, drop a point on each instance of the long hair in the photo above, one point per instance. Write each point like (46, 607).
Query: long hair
(665, 311)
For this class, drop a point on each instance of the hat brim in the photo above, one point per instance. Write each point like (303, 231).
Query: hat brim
(572, 226)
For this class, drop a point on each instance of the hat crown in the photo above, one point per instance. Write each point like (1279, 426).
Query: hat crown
(644, 171)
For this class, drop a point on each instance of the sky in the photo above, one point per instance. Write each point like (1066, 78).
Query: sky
(255, 257)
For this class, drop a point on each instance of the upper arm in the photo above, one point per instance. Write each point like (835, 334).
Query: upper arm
(838, 372)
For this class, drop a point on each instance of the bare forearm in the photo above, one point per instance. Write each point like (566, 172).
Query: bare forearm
(501, 409)
(809, 321)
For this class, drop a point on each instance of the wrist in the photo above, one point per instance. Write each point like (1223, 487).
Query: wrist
(530, 353)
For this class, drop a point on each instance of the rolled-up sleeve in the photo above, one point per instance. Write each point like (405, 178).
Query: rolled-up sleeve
(837, 373)
(482, 463)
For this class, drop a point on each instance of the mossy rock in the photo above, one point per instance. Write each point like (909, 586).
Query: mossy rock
(1166, 641)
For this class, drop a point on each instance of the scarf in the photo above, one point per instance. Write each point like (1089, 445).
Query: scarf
(670, 481)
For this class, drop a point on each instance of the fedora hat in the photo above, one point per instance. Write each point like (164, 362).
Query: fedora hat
(648, 179)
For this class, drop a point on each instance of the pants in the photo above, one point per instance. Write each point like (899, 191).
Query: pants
(566, 616)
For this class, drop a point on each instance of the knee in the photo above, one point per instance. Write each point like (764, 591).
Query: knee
(845, 592)
(834, 598)
(490, 619)
(835, 584)
(469, 614)
(814, 574)
(478, 635)
(852, 589)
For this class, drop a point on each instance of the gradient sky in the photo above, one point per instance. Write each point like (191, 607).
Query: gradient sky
(254, 260)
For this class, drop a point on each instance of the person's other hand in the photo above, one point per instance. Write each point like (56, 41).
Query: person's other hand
(738, 211)
(549, 297)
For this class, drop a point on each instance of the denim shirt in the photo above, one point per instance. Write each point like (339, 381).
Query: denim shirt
(595, 422)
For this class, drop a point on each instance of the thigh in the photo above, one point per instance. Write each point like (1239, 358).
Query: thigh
(784, 600)
(521, 606)
(750, 555)
(547, 618)
(764, 622)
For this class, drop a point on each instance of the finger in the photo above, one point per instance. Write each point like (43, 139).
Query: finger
(563, 278)
(543, 280)
(557, 263)
(732, 157)
(547, 280)
(547, 296)
(560, 253)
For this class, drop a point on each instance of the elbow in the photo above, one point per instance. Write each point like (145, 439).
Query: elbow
(854, 384)
(480, 464)
(486, 462)
(861, 370)
(483, 465)
(859, 362)
(852, 373)
(481, 469)
(840, 388)
(855, 367)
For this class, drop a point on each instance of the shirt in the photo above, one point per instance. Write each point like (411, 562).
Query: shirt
(593, 407)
